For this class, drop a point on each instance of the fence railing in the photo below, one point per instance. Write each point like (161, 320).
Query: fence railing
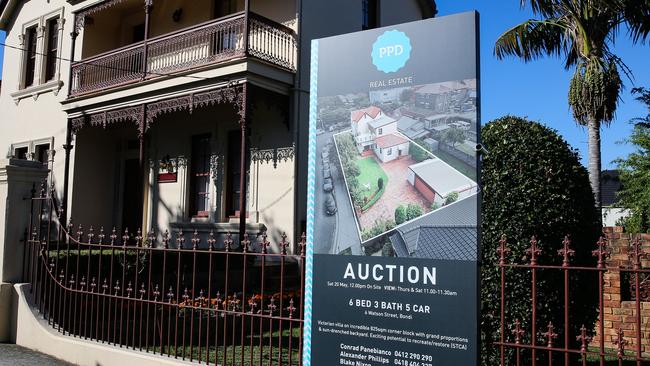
(174, 295)
(543, 343)
(208, 43)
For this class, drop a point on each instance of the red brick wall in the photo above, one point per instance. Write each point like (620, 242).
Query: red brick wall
(620, 314)
(424, 189)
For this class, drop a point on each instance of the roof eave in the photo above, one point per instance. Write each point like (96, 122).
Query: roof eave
(7, 8)
(429, 8)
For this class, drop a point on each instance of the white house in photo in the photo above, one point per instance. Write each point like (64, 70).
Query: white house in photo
(435, 180)
(369, 123)
(390, 147)
(375, 131)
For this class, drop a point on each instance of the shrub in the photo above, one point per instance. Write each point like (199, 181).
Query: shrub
(454, 136)
(534, 184)
(413, 211)
(380, 227)
(400, 215)
(380, 183)
(370, 201)
(417, 153)
(451, 198)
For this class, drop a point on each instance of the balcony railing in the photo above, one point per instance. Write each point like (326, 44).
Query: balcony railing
(208, 43)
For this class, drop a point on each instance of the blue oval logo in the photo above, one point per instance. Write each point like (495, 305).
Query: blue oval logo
(391, 51)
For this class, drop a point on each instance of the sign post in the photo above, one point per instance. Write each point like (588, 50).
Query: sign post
(393, 209)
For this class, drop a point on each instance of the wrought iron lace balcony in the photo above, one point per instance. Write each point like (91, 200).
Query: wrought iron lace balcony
(209, 43)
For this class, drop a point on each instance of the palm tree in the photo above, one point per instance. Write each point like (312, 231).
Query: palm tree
(582, 32)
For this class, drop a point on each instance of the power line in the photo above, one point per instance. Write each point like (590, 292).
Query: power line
(111, 67)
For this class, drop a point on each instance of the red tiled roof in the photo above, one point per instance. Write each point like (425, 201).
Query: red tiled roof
(372, 111)
(389, 141)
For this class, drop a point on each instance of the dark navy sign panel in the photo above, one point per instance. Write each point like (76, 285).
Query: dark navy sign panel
(406, 322)
(393, 210)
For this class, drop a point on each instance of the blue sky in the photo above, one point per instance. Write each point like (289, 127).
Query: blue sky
(538, 90)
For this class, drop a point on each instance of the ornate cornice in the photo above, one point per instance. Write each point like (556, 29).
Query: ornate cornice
(166, 106)
(281, 154)
(80, 17)
(145, 115)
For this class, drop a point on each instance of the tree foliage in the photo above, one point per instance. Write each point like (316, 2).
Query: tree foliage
(406, 96)
(643, 96)
(533, 184)
(454, 136)
(583, 32)
(635, 173)
(387, 250)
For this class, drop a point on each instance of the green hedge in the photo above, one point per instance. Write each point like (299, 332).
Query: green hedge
(534, 184)
(374, 199)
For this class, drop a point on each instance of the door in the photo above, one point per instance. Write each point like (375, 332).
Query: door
(200, 176)
(233, 174)
(132, 197)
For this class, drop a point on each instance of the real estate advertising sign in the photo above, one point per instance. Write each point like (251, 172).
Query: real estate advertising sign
(392, 200)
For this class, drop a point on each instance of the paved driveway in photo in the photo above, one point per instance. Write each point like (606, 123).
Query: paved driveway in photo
(398, 192)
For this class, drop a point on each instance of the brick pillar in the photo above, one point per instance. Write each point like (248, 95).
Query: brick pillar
(620, 312)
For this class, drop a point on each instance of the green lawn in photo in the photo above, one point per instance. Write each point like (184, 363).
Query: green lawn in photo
(370, 174)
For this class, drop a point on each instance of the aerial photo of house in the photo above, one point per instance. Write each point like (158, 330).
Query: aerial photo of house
(390, 178)
(393, 157)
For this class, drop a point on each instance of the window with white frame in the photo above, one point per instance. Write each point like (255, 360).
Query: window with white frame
(36, 150)
(41, 41)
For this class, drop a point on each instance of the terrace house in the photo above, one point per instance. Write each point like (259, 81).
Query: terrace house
(180, 115)
(173, 114)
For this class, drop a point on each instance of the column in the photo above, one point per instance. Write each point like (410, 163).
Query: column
(243, 189)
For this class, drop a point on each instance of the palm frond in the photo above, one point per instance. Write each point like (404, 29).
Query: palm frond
(572, 56)
(636, 13)
(619, 62)
(532, 39)
(545, 8)
(643, 96)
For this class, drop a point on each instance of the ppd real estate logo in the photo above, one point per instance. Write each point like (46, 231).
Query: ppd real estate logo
(391, 51)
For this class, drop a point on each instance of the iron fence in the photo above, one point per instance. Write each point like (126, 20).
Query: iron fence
(170, 294)
(554, 343)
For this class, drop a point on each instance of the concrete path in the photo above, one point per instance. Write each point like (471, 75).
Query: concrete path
(12, 355)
